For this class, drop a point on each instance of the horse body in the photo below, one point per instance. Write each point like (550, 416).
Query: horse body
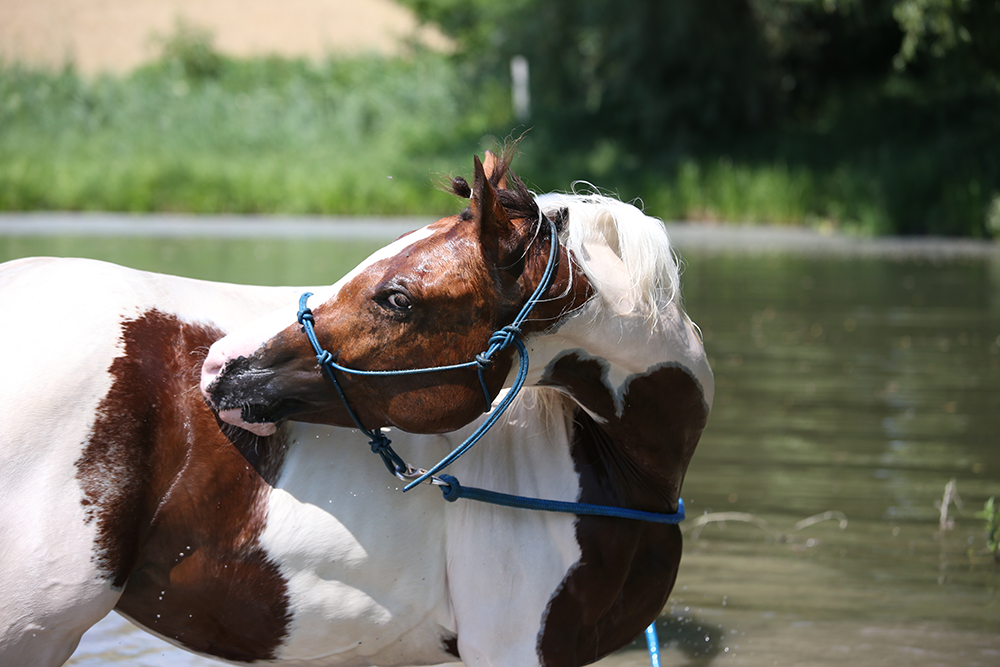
(234, 532)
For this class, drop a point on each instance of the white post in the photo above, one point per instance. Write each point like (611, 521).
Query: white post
(519, 88)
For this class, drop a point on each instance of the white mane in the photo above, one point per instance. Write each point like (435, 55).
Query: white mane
(646, 280)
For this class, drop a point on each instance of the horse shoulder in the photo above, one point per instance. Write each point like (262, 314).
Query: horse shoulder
(641, 402)
(364, 565)
(505, 565)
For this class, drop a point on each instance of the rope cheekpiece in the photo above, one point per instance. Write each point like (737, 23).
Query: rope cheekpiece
(499, 341)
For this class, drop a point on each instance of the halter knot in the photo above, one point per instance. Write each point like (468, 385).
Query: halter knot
(505, 336)
(380, 443)
(500, 340)
(451, 489)
(305, 315)
(324, 358)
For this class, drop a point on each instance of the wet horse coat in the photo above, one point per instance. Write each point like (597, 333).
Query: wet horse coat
(122, 489)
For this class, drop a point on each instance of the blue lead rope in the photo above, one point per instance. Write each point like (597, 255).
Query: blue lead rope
(653, 643)
(453, 491)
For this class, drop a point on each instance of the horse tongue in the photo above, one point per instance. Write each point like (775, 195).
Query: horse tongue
(235, 417)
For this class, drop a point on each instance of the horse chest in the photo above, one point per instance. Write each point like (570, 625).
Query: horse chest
(364, 565)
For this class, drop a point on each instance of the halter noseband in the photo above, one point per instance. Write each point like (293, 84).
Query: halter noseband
(499, 341)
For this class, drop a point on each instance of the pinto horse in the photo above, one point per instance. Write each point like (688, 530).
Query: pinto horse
(173, 450)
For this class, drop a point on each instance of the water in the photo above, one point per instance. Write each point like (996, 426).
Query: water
(854, 377)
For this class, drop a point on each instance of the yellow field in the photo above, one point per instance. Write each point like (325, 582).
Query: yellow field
(117, 35)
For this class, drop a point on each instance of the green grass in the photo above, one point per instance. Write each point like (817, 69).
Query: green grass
(263, 136)
(197, 132)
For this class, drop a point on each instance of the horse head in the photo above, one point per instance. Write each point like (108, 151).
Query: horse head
(432, 298)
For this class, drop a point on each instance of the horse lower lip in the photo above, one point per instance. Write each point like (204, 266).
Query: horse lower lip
(257, 413)
(234, 417)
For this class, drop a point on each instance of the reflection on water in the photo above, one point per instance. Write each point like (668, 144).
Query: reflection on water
(848, 382)
(854, 384)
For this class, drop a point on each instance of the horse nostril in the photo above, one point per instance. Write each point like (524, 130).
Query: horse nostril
(210, 370)
(211, 367)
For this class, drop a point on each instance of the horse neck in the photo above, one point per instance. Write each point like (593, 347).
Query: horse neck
(526, 452)
(644, 390)
(627, 345)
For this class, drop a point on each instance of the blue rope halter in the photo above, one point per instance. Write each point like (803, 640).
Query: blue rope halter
(499, 341)
(451, 488)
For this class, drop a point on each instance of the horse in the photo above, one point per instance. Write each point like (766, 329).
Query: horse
(176, 450)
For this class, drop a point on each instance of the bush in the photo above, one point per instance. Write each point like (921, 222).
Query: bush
(902, 97)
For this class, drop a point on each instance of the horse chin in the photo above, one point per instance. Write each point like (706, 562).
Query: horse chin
(235, 417)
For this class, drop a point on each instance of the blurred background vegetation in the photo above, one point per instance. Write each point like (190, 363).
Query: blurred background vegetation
(874, 117)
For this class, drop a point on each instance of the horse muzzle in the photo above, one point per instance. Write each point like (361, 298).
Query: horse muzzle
(256, 396)
(242, 396)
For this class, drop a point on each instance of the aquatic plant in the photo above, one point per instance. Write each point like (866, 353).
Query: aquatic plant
(991, 514)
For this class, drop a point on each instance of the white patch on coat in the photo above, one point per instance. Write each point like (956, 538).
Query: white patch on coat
(365, 564)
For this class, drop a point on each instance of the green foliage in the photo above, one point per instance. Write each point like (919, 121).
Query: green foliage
(900, 95)
(191, 49)
(345, 136)
(991, 514)
(877, 117)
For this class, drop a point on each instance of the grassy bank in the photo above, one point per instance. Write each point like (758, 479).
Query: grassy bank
(359, 136)
(201, 133)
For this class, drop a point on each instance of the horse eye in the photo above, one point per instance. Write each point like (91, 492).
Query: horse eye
(399, 301)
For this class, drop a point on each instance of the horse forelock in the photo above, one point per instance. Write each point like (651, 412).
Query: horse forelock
(515, 197)
(647, 275)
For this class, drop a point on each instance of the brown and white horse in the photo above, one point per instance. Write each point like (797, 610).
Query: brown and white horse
(278, 537)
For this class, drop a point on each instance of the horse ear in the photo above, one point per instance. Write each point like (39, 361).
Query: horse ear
(498, 236)
(490, 165)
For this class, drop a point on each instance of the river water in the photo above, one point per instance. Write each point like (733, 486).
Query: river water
(856, 380)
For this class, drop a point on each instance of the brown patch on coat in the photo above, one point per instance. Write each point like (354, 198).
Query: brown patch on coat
(179, 500)
(450, 645)
(627, 568)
